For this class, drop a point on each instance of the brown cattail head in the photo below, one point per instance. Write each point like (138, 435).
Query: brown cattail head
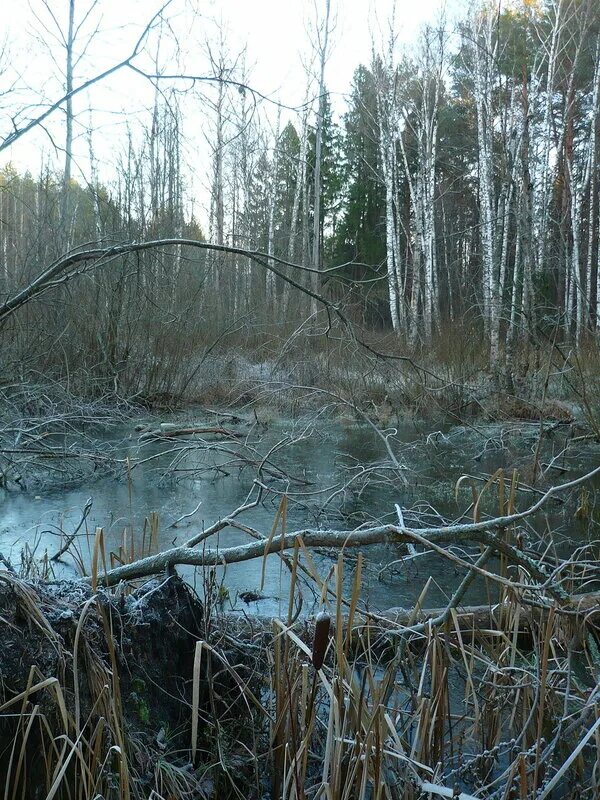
(321, 639)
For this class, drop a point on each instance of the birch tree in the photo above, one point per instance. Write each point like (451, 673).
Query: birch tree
(484, 53)
(387, 120)
(422, 117)
(74, 35)
(322, 48)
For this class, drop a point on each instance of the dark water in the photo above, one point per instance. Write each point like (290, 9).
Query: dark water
(173, 477)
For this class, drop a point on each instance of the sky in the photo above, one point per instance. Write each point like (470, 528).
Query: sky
(275, 33)
(278, 36)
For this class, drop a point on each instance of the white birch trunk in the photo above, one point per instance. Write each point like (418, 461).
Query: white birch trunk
(387, 151)
(590, 172)
(316, 244)
(483, 61)
(544, 193)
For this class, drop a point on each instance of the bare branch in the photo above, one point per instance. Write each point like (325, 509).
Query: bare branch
(342, 539)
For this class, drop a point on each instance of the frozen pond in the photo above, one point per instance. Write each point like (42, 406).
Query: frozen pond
(175, 476)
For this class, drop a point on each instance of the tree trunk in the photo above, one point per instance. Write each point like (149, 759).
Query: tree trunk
(65, 209)
(317, 227)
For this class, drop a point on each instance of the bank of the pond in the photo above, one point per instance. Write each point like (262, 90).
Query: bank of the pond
(148, 693)
(114, 678)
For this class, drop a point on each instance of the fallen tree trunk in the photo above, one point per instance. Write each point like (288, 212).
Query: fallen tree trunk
(383, 628)
(435, 538)
(482, 616)
(161, 433)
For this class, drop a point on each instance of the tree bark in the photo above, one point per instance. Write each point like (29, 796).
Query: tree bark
(317, 227)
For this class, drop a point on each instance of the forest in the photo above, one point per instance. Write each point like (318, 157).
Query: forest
(300, 401)
(457, 189)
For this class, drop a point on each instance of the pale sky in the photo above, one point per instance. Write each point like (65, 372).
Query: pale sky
(276, 34)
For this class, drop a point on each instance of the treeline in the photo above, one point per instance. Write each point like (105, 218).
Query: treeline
(462, 183)
(469, 170)
(133, 324)
(460, 188)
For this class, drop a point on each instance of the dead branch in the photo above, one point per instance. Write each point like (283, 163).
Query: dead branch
(71, 264)
(436, 537)
(482, 616)
(161, 433)
(69, 540)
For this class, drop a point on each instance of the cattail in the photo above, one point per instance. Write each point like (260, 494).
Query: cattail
(321, 639)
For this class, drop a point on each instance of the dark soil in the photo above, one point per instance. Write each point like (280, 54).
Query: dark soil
(135, 659)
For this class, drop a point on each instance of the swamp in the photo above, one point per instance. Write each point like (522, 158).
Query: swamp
(300, 400)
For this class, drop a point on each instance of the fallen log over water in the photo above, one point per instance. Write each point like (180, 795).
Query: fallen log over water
(437, 539)
(482, 617)
(480, 621)
(168, 433)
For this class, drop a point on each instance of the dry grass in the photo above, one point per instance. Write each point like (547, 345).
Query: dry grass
(447, 709)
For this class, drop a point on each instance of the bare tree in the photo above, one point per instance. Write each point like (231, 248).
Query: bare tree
(323, 32)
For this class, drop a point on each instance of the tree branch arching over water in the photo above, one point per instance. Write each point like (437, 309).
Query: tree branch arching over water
(435, 537)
